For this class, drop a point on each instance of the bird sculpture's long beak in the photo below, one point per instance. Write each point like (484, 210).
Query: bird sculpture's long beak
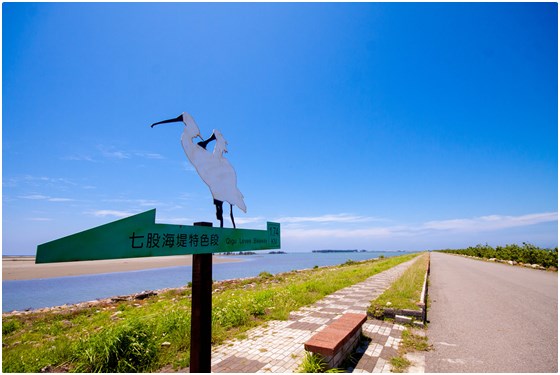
(178, 119)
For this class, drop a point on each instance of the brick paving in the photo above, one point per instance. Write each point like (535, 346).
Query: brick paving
(278, 345)
(385, 339)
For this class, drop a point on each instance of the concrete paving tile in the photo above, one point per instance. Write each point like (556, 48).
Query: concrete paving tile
(387, 368)
(374, 349)
(379, 365)
(283, 340)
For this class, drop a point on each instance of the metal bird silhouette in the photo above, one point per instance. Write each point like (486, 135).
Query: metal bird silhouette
(214, 169)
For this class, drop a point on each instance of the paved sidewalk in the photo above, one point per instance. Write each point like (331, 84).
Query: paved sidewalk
(385, 339)
(278, 346)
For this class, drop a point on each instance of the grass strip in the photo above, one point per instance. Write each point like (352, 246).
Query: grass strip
(405, 292)
(412, 341)
(315, 363)
(154, 333)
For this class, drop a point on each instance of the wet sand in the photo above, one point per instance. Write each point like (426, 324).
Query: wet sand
(24, 268)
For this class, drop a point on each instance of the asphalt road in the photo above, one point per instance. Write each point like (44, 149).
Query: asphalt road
(491, 317)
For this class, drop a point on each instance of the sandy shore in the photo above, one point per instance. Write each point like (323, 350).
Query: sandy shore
(24, 268)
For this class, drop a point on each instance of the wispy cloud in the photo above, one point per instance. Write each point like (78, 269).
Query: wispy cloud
(137, 202)
(491, 222)
(149, 155)
(330, 218)
(111, 213)
(39, 219)
(188, 167)
(176, 220)
(463, 225)
(34, 196)
(79, 158)
(111, 152)
(45, 198)
(250, 220)
(29, 180)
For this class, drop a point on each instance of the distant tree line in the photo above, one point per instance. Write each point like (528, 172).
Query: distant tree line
(527, 253)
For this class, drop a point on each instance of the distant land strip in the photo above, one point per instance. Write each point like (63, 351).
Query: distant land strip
(24, 267)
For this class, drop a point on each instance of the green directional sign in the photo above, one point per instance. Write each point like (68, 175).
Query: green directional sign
(140, 236)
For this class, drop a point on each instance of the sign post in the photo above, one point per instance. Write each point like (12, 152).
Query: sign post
(201, 311)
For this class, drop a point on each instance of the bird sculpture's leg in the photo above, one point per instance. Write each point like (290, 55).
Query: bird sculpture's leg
(203, 144)
(231, 214)
(219, 211)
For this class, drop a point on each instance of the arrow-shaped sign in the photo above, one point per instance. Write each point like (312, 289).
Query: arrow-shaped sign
(140, 236)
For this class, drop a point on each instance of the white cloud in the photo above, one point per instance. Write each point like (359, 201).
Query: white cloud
(329, 218)
(79, 158)
(60, 199)
(188, 167)
(149, 155)
(491, 222)
(138, 202)
(176, 220)
(112, 153)
(40, 181)
(39, 219)
(249, 220)
(337, 233)
(46, 198)
(469, 225)
(113, 213)
(34, 196)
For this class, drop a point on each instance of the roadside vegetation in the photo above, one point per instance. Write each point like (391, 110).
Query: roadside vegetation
(526, 254)
(314, 363)
(405, 292)
(412, 341)
(154, 333)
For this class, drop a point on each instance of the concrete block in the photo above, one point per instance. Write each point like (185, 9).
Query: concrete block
(403, 319)
(415, 313)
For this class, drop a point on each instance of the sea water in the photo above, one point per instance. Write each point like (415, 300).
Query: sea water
(38, 293)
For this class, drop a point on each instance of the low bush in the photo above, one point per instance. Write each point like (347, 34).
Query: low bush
(314, 363)
(129, 347)
(527, 253)
(265, 275)
(10, 326)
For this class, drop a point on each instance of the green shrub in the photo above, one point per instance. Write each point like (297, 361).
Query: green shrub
(230, 312)
(261, 302)
(313, 363)
(175, 327)
(527, 253)
(10, 326)
(129, 347)
(400, 364)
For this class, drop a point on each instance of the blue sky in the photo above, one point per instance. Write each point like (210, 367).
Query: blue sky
(372, 126)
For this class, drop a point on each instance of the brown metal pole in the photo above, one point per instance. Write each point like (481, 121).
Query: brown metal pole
(201, 311)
